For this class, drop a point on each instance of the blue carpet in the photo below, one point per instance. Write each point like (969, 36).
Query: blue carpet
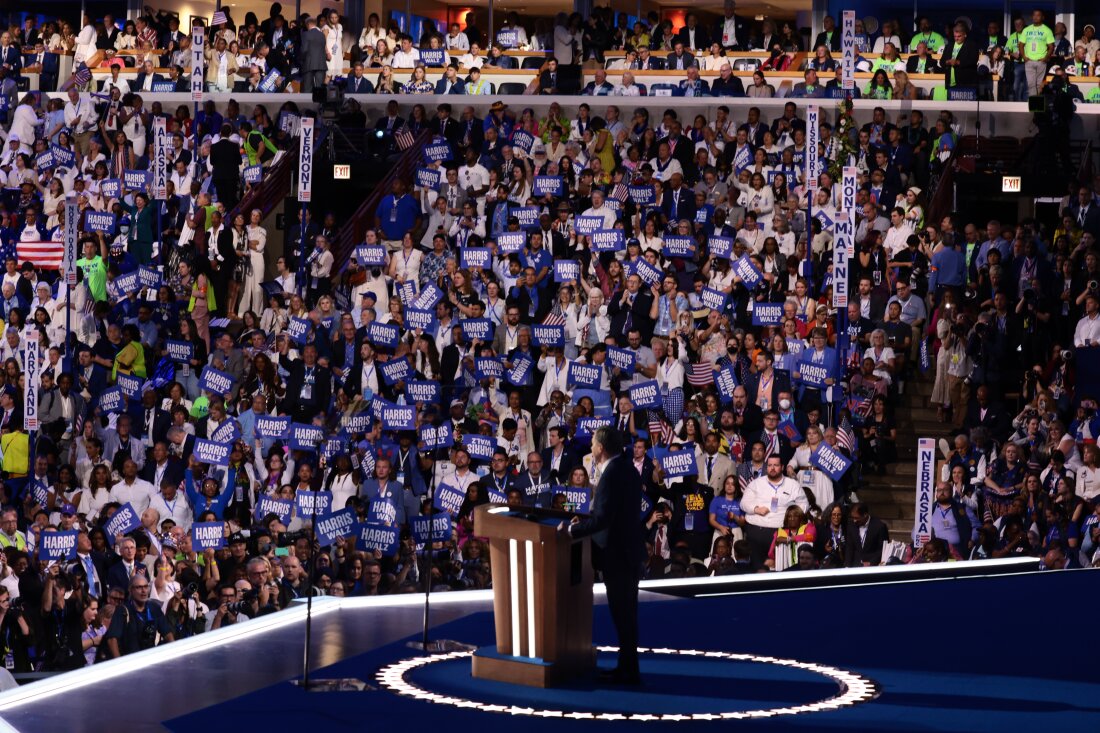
(951, 655)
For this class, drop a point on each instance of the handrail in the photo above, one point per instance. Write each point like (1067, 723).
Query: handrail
(943, 200)
(363, 218)
(276, 184)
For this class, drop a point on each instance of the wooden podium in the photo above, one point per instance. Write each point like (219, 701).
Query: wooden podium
(542, 598)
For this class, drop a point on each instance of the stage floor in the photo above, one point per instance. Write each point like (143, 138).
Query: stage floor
(936, 655)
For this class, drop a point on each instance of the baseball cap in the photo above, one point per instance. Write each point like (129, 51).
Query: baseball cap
(68, 509)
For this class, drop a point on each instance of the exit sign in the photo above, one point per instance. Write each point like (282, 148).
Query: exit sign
(341, 172)
(1010, 184)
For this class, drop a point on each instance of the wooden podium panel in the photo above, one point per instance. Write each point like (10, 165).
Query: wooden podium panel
(542, 597)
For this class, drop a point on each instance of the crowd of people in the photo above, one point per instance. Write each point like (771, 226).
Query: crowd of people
(256, 56)
(541, 276)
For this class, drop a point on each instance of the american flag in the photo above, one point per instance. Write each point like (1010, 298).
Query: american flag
(44, 255)
(700, 375)
(845, 438)
(404, 138)
(554, 318)
(620, 192)
(82, 76)
(219, 18)
(659, 430)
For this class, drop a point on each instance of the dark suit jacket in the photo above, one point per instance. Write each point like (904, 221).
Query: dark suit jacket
(569, 461)
(448, 364)
(822, 40)
(361, 85)
(173, 471)
(549, 80)
(311, 52)
(1092, 218)
(684, 153)
(522, 299)
(931, 66)
(457, 88)
(116, 575)
(161, 422)
(322, 388)
(685, 208)
(966, 73)
(615, 525)
(996, 420)
(689, 60)
(139, 83)
(639, 313)
(786, 452)
(870, 550)
(225, 157)
(702, 38)
(452, 131)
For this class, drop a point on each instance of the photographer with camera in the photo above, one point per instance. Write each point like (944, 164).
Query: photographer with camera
(231, 610)
(14, 634)
(63, 623)
(137, 624)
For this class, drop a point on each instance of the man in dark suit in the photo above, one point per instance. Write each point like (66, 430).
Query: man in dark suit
(679, 58)
(225, 158)
(677, 200)
(1086, 212)
(693, 35)
(390, 122)
(446, 126)
(983, 412)
(162, 467)
(960, 59)
(311, 56)
(146, 78)
(450, 83)
(153, 422)
(865, 538)
(471, 129)
(308, 387)
(357, 83)
(681, 148)
(829, 37)
(618, 543)
(775, 442)
(557, 457)
(548, 79)
(630, 312)
(535, 482)
(533, 302)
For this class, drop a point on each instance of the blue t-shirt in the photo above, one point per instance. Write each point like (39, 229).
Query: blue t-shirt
(538, 260)
(722, 506)
(397, 215)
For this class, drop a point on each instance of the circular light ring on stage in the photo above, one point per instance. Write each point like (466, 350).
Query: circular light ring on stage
(854, 689)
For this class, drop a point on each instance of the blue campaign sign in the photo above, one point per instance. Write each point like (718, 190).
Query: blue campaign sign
(110, 188)
(646, 508)
(228, 432)
(624, 359)
(298, 329)
(313, 503)
(480, 447)
(830, 460)
(215, 380)
(124, 285)
(422, 391)
(579, 498)
(677, 463)
(45, 160)
(713, 299)
(428, 297)
(40, 493)
(726, 382)
(587, 426)
(271, 427)
(642, 195)
(449, 499)
(523, 140)
(149, 277)
(511, 242)
(431, 529)
(437, 436)
(371, 536)
(136, 180)
(428, 178)
(767, 314)
(543, 335)
(370, 255)
(813, 375)
(420, 318)
(164, 87)
(335, 445)
(398, 417)
(129, 384)
(703, 214)
(208, 536)
(437, 152)
(110, 400)
(471, 257)
(395, 370)
(270, 505)
(649, 274)
(406, 292)
(383, 511)
(476, 329)
(678, 247)
(99, 221)
(270, 82)
(125, 519)
(63, 156)
(745, 269)
(333, 526)
(528, 216)
(386, 335)
(721, 247)
(207, 451)
(253, 173)
(433, 56)
(360, 422)
(962, 94)
(549, 186)
(488, 367)
(567, 271)
(646, 395)
(520, 373)
(587, 225)
(585, 375)
(306, 437)
(607, 240)
(57, 545)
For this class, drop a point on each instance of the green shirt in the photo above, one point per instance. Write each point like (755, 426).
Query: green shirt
(1036, 39)
(95, 274)
(933, 40)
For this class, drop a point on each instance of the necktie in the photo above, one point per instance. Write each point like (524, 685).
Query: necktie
(89, 570)
(1081, 216)
(710, 468)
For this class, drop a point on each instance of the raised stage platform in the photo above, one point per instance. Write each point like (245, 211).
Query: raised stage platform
(890, 650)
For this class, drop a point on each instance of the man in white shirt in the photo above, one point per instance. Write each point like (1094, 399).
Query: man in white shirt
(137, 492)
(628, 88)
(765, 503)
(897, 235)
(406, 57)
(599, 209)
(457, 40)
(1087, 332)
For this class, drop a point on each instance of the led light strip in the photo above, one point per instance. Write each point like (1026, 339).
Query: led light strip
(854, 690)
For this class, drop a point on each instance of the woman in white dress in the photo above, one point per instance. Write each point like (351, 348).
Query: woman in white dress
(809, 476)
(334, 34)
(252, 295)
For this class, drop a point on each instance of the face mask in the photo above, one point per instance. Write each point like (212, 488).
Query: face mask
(784, 404)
